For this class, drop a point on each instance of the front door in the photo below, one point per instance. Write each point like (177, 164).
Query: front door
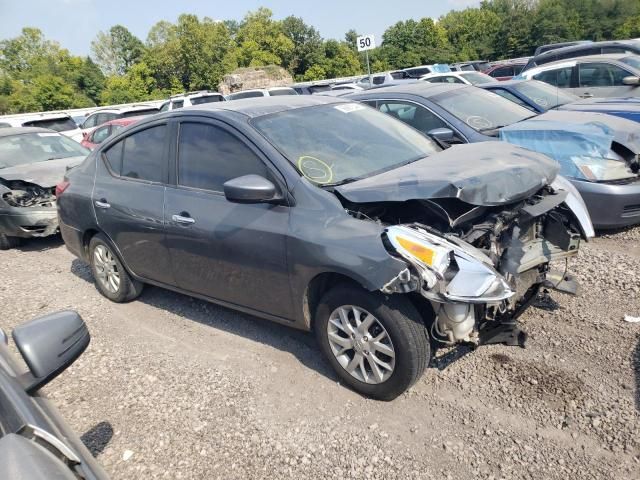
(128, 201)
(231, 252)
(599, 79)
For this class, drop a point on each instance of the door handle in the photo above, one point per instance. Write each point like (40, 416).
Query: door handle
(587, 95)
(184, 220)
(102, 203)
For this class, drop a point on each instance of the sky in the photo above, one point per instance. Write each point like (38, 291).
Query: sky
(74, 23)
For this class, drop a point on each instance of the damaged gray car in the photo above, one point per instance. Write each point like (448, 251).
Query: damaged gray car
(32, 162)
(330, 216)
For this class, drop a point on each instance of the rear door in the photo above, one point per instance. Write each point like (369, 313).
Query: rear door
(228, 251)
(128, 200)
(602, 79)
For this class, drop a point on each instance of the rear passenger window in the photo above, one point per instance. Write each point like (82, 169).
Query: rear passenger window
(143, 154)
(208, 156)
(502, 72)
(560, 77)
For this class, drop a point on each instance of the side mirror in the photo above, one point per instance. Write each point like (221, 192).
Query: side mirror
(444, 135)
(49, 344)
(631, 80)
(250, 189)
(85, 135)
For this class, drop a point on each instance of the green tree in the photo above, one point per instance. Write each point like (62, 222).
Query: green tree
(473, 32)
(262, 41)
(117, 50)
(307, 46)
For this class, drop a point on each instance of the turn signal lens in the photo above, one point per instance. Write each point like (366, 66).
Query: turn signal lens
(422, 253)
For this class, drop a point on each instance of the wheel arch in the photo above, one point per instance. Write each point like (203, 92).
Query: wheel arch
(317, 287)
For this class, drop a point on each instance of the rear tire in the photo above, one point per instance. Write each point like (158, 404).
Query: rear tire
(391, 340)
(7, 242)
(111, 278)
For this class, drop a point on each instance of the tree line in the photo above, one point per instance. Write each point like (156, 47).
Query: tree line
(195, 53)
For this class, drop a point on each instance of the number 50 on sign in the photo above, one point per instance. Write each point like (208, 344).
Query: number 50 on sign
(366, 42)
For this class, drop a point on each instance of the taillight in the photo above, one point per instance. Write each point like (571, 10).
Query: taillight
(61, 187)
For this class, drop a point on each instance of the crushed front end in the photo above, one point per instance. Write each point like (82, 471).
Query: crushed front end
(480, 267)
(27, 209)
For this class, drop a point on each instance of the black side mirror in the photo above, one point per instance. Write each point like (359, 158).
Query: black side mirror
(49, 344)
(444, 135)
(631, 80)
(250, 189)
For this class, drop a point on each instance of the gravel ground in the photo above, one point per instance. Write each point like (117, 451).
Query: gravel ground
(173, 387)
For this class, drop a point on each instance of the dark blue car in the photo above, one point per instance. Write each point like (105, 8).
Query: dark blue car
(452, 113)
(539, 97)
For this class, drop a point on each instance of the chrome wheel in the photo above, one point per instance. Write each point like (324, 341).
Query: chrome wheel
(361, 344)
(106, 269)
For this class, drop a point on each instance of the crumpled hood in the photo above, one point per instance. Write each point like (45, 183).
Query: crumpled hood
(46, 174)
(625, 132)
(487, 173)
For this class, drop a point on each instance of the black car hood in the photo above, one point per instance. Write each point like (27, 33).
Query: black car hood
(488, 173)
(46, 174)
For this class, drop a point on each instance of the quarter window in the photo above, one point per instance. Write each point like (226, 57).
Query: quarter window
(100, 134)
(208, 156)
(143, 154)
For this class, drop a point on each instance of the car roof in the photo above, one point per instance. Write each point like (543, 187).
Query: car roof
(423, 89)
(611, 57)
(131, 108)
(123, 121)
(585, 46)
(11, 131)
(257, 107)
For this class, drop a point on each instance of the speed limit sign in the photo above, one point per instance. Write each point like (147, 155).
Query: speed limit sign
(366, 42)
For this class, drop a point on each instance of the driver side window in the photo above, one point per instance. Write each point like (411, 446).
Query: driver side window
(412, 114)
(208, 156)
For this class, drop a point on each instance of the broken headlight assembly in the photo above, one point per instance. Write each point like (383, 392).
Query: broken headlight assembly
(450, 272)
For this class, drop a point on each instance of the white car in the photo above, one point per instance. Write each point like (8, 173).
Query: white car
(346, 86)
(103, 115)
(392, 77)
(466, 77)
(616, 75)
(261, 92)
(60, 122)
(191, 98)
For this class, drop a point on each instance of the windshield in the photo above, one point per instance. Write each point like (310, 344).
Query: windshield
(241, 95)
(483, 111)
(632, 61)
(37, 147)
(282, 91)
(139, 113)
(545, 95)
(477, 78)
(63, 124)
(206, 99)
(342, 142)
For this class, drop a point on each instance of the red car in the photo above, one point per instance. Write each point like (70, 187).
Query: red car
(96, 136)
(504, 71)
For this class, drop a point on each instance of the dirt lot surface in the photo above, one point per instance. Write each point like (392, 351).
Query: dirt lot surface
(173, 387)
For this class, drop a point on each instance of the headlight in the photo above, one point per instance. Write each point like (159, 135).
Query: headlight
(451, 272)
(602, 169)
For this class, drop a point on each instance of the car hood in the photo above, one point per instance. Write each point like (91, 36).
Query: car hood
(625, 132)
(46, 174)
(488, 173)
(604, 104)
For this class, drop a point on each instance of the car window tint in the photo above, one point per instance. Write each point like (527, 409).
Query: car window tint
(559, 77)
(144, 153)
(177, 104)
(378, 80)
(164, 107)
(417, 116)
(208, 156)
(113, 156)
(517, 69)
(601, 75)
(100, 134)
(502, 72)
(451, 79)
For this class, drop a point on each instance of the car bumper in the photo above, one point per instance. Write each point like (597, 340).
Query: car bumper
(611, 205)
(27, 223)
(73, 240)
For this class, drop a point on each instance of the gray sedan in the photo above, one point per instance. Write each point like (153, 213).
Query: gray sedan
(456, 114)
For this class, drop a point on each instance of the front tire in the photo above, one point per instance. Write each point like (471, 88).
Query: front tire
(377, 344)
(111, 278)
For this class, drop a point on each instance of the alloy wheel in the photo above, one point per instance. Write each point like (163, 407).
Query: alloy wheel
(106, 268)
(361, 344)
